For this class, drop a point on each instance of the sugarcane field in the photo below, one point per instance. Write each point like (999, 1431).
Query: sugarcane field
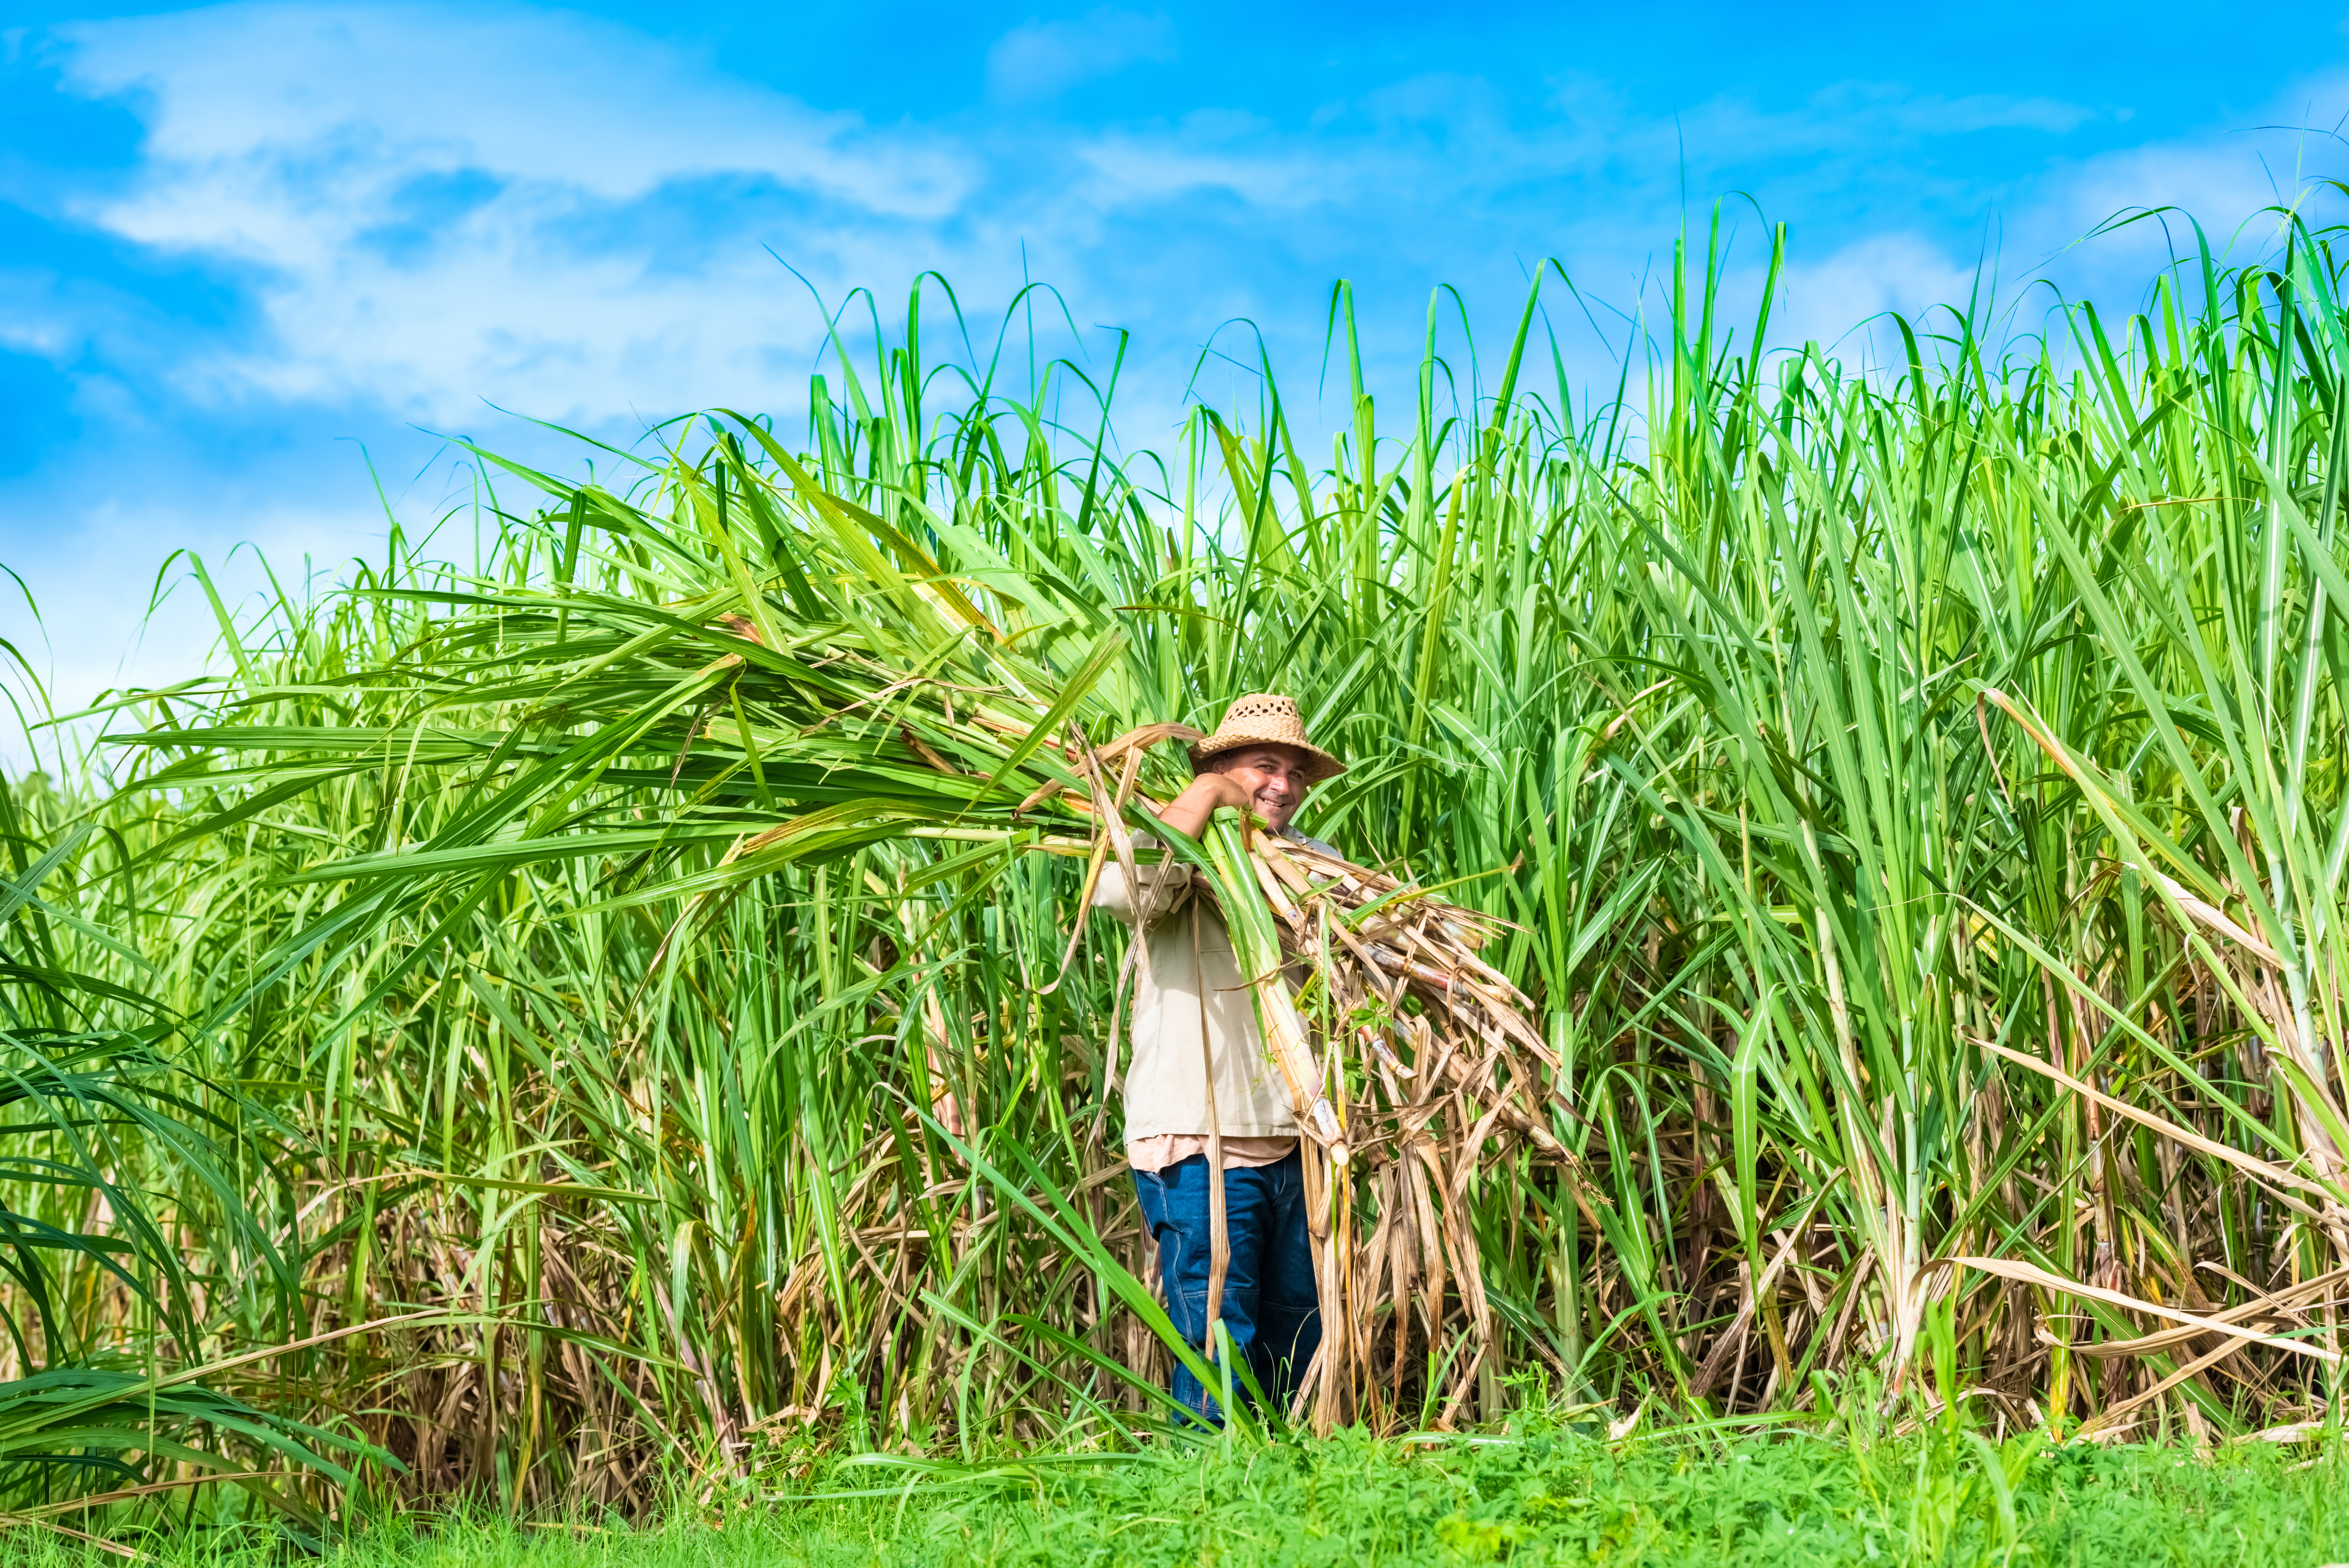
(1707, 929)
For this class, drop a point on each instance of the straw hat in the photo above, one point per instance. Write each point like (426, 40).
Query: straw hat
(1265, 718)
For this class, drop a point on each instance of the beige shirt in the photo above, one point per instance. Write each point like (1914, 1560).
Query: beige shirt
(1168, 1148)
(1165, 1082)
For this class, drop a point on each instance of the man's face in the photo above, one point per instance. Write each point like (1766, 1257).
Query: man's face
(1276, 778)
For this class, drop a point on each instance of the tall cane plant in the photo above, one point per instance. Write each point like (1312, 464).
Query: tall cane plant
(1909, 799)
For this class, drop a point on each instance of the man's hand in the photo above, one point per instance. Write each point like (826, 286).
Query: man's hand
(1188, 812)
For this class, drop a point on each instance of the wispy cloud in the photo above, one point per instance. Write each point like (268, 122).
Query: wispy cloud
(395, 211)
(293, 92)
(433, 206)
(1836, 300)
(420, 206)
(1038, 60)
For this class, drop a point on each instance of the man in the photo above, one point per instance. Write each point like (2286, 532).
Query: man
(1191, 1008)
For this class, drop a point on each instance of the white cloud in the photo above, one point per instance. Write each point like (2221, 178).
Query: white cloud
(536, 95)
(1863, 105)
(1237, 154)
(1837, 301)
(416, 208)
(440, 206)
(39, 319)
(109, 615)
(1037, 59)
(432, 206)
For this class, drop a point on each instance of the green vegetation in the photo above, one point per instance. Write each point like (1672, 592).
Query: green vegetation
(1536, 1493)
(516, 1020)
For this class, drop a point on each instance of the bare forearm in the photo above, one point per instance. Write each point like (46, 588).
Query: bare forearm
(1188, 812)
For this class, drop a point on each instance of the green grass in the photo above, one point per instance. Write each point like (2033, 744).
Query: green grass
(1537, 1492)
(1547, 1497)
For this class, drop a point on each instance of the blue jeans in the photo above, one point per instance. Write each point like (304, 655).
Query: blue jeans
(1270, 1307)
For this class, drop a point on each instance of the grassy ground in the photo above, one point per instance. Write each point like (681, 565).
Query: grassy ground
(1541, 1495)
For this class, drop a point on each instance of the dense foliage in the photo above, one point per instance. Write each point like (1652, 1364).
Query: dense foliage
(620, 1006)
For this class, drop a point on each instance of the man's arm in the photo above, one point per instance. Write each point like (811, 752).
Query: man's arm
(1188, 813)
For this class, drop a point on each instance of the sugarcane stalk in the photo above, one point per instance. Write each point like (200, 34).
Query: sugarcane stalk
(1255, 946)
(1219, 1234)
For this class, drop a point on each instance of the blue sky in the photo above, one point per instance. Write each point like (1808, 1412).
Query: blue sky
(245, 242)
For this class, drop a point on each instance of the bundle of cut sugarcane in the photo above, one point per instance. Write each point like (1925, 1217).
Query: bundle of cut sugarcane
(1449, 1069)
